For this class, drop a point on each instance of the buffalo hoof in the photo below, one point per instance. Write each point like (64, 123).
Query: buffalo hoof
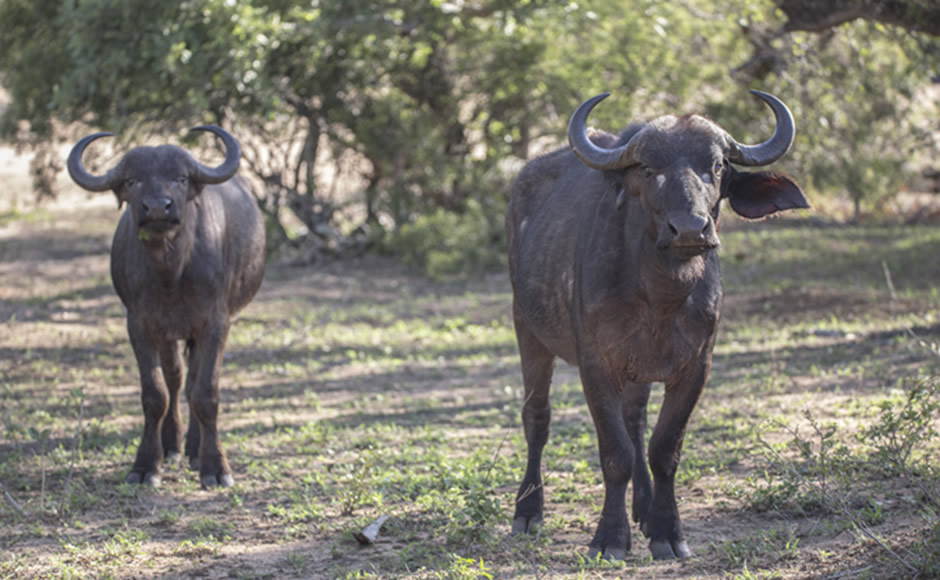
(666, 550)
(144, 478)
(194, 463)
(523, 525)
(212, 481)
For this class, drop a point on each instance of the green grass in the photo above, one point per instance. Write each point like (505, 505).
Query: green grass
(360, 389)
(790, 255)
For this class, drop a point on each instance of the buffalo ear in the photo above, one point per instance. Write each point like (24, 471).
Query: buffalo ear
(757, 195)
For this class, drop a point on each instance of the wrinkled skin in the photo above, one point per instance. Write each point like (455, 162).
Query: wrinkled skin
(616, 271)
(185, 258)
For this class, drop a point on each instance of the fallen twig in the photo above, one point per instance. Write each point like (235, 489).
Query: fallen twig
(888, 281)
(12, 502)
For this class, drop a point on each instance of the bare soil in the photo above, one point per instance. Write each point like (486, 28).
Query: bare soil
(61, 328)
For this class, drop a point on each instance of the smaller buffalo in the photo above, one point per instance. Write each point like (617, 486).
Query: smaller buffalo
(613, 262)
(187, 255)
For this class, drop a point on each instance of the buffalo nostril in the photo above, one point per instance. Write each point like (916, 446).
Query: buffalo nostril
(163, 204)
(673, 229)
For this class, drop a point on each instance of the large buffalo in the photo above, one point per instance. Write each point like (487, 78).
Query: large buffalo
(187, 255)
(614, 268)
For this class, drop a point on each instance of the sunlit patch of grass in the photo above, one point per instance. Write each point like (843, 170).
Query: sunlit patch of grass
(762, 548)
(346, 396)
(100, 558)
(792, 254)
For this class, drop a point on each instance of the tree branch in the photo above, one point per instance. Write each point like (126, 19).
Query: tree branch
(820, 15)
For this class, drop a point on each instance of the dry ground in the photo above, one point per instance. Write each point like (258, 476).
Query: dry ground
(358, 388)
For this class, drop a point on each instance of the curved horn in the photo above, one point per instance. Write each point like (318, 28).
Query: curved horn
(227, 169)
(771, 149)
(590, 154)
(81, 176)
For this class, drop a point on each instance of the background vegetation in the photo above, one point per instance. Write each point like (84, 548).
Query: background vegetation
(361, 389)
(362, 117)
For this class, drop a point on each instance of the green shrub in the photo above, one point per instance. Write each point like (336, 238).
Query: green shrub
(447, 243)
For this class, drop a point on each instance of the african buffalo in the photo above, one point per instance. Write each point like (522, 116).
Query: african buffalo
(613, 266)
(187, 255)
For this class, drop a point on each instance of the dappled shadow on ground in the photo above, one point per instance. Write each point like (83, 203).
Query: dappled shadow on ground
(65, 329)
(831, 361)
(73, 306)
(35, 244)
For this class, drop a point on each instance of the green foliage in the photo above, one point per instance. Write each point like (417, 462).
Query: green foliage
(867, 121)
(446, 243)
(210, 529)
(466, 569)
(762, 548)
(906, 424)
(829, 477)
(802, 486)
(897, 444)
(382, 112)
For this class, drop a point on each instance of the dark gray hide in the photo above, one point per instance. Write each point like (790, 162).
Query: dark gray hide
(187, 255)
(613, 266)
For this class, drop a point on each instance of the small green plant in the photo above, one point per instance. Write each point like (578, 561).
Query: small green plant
(209, 529)
(197, 549)
(906, 424)
(828, 476)
(462, 568)
(71, 499)
(168, 517)
(762, 548)
(297, 562)
(42, 438)
(585, 563)
(927, 549)
(356, 486)
(801, 485)
(475, 515)
(873, 514)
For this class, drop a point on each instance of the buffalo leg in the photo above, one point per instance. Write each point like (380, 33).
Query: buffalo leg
(172, 431)
(537, 366)
(635, 399)
(604, 398)
(192, 432)
(154, 399)
(662, 526)
(203, 393)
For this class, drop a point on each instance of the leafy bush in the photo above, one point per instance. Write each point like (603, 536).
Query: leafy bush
(828, 476)
(447, 243)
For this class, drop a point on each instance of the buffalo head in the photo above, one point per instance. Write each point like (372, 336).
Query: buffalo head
(681, 167)
(156, 182)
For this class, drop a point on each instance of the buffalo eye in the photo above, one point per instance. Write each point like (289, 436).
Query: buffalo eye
(714, 175)
(183, 181)
(647, 172)
(129, 183)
